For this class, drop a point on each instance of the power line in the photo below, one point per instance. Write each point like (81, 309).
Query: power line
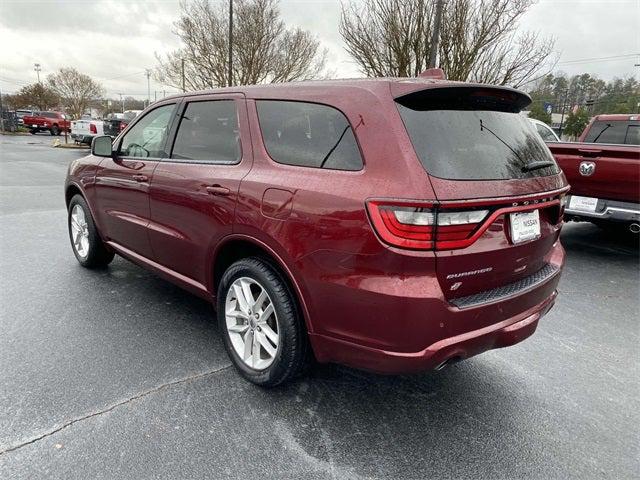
(594, 59)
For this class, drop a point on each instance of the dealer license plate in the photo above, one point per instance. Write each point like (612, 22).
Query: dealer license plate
(525, 226)
(584, 204)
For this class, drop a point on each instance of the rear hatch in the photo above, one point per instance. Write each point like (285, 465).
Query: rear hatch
(497, 186)
(615, 174)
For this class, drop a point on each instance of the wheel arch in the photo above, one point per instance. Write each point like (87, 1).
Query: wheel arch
(72, 190)
(236, 247)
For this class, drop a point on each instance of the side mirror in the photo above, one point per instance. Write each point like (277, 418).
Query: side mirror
(101, 146)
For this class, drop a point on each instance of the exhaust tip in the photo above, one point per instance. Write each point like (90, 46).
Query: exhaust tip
(634, 228)
(448, 361)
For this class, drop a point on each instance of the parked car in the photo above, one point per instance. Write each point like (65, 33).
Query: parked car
(604, 172)
(113, 126)
(52, 122)
(393, 225)
(545, 131)
(21, 113)
(83, 130)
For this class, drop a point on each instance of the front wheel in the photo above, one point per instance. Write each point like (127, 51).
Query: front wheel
(263, 332)
(85, 240)
(54, 131)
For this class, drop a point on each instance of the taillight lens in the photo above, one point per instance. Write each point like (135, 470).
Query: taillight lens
(403, 225)
(423, 226)
(123, 126)
(93, 128)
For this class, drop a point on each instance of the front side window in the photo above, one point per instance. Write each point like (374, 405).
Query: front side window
(308, 135)
(208, 132)
(147, 138)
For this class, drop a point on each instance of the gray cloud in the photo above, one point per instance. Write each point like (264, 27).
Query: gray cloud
(115, 40)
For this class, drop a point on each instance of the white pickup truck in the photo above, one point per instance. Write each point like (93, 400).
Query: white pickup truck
(83, 130)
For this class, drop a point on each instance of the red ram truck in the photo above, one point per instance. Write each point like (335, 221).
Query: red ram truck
(52, 122)
(603, 169)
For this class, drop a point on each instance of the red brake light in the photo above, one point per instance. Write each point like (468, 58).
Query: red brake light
(405, 225)
(422, 226)
(122, 126)
(92, 128)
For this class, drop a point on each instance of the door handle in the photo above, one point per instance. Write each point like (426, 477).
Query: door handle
(218, 190)
(140, 178)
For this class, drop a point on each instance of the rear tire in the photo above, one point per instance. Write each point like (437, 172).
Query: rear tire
(88, 247)
(258, 313)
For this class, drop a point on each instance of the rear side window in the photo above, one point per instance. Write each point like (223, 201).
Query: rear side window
(308, 135)
(462, 134)
(208, 132)
(620, 132)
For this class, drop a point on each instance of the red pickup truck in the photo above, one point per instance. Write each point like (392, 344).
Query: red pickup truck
(603, 169)
(53, 122)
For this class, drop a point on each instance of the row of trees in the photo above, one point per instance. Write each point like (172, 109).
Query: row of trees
(582, 96)
(66, 88)
(596, 95)
(479, 41)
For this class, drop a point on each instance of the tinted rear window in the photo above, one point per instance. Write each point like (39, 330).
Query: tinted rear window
(208, 132)
(614, 131)
(469, 137)
(308, 135)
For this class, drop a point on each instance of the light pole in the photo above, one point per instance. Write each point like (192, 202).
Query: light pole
(435, 35)
(36, 67)
(122, 101)
(230, 80)
(148, 70)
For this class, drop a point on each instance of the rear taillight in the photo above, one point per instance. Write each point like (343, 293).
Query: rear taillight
(123, 126)
(93, 128)
(423, 226)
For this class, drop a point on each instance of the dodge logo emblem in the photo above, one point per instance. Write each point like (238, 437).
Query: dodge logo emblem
(587, 168)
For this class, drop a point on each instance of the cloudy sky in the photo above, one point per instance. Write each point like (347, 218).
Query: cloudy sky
(114, 41)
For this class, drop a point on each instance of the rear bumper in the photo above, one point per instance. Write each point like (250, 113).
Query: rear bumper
(611, 210)
(503, 334)
(413, 334)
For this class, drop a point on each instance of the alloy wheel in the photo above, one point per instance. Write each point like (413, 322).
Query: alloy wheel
(79, 231)
(252, 323)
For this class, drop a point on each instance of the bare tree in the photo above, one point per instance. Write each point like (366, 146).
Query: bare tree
(34, 95)
(264, 50)
(76, 89)
(478, 39)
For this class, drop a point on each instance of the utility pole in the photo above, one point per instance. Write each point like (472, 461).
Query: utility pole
(36, 67)
(1, 113)
(122, 101)
(564, 105)
(230, 81)
(182, 63)
(435, 35)
(148, 71)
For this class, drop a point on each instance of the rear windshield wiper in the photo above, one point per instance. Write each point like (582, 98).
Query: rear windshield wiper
(601, 132)
(529, 167)
(537, 165)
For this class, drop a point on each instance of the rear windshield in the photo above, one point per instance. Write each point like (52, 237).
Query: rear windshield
(467, 137)
(614, 131)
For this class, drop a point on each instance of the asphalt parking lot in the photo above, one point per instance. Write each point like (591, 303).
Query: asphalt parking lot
(118, 374)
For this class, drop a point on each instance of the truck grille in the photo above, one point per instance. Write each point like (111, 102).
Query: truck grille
(501, 293)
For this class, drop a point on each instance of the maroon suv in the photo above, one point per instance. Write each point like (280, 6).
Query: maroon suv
(393, 225)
